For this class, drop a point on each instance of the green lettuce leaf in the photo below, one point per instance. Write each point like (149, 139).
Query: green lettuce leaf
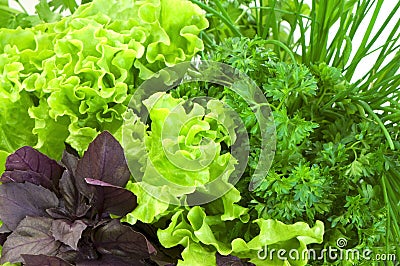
(208, 234)
(69, 80)
(155, 154)
(181, 154)
(3, 158)
(15, 124)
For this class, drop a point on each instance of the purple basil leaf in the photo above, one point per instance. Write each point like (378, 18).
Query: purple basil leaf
(109, 260)
(3, 238)
(68, 232)
(164, 256)
(58, 213)
(43, 260)
(29, 159)
(32, 236)
(230, 261)
(104, 160)
(18, 200)
(4, 229)
(67, 253)
(117, 239)
(112, 199)
(74, 201)
(70, 161)
(20, 176)
(70, 150)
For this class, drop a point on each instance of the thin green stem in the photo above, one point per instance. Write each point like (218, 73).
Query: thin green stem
(271, 23)
(284, 47)
(281, 11)
(227, 21)
(240, 17)
(392, 117)
(204, 36)
(363, 46)
(379, 121)
(223, 11)
(260, 20)
(22, 7)
(9, 10)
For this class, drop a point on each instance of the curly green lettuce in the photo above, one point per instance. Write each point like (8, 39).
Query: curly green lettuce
(69, 80)
(223, 227)
(203, 235)
(183, 152)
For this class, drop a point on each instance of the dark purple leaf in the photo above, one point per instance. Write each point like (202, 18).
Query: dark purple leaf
(230, 261)
(3, 238)
(164, 256)
(67, 253)
(43, 260)
(74, 201)
(18, 200)
(104, 160)
(29, 159)
(87, 250)
(32, 236)
(109, 260)
(20, 176)
(112, 199)
(70, 161)
(4, 229)
(58, 213)
(117, 239)
(70, 150)
(68, 232)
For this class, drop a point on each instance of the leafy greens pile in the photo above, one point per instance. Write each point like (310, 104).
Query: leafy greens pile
(342, 164)
(330, 157)
(66, 81)
(336, 169)
(221, 227)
